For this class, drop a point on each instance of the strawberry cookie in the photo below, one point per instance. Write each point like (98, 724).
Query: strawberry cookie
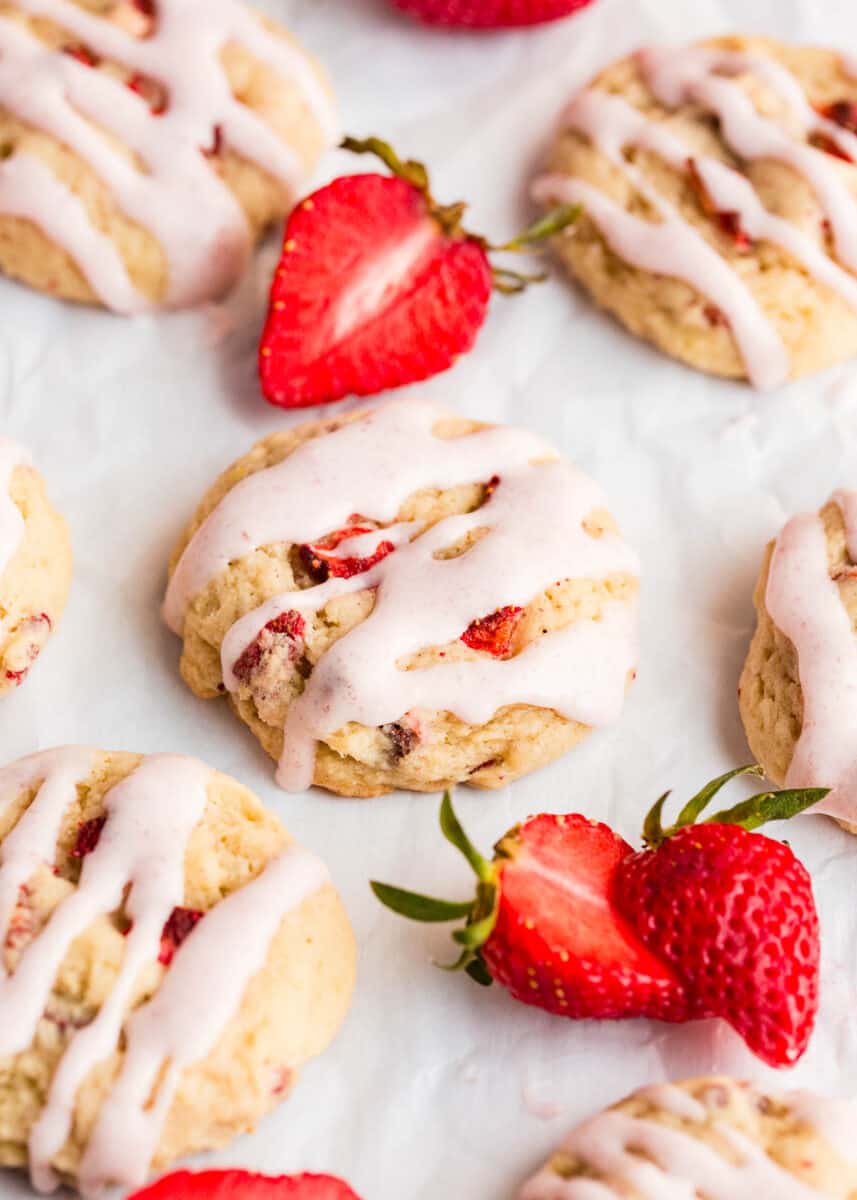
(170, 959)
(714, 1137)
(144, 144)
(404, 598)
(35, 565)
(719, 188)
(798, 687)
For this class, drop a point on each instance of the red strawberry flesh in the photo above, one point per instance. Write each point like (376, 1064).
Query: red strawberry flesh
(370, 293)
(559, 941)
(244, 1185)
(493, 633)
(321, 561)
(179, 926)
(489, 14)
(88, 837)
(289, 624)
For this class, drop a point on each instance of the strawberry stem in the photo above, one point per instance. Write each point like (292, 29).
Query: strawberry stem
(455, 835)
(749, 814)
(408, 169)
(480, 913)
(548, 226)
(694, 806)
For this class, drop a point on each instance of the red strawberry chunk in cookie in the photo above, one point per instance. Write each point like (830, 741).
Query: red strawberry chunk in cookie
(321, 561)
(181, 923)
(243, 1185)
(842, 112)
(494, 633)
(289, 624)
(88, 837)
(729, 223)
(40, 628)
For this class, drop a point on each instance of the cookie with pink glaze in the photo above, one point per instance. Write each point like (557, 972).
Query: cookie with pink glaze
(35, 565)
(798, 686)
(400, 598)
(719, 191)
(170, 960)
(713, 1137)
(145, 145)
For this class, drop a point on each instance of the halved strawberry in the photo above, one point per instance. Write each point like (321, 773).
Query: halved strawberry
(544, 924)
(710, 920)
(243, 1185)
(489, 14)
(493, 633)
(378, 286)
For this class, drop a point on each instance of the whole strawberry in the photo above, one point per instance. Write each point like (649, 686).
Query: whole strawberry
(489, 14)
(379, 286)
(710, 920)
(733, 914)
(243, 1185)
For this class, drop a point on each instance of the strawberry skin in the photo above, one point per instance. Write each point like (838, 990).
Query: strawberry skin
(559, 941)
(489, 14)
(733, 913)
(370, 293)
(242, 1185)
(493, 633)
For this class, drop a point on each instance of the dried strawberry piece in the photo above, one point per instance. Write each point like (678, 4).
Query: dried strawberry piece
(321, 562)
(823, 141)
(493, 633)
(82, 54)
(841, 112)
(728, 221)
(715, 316)
(151, 91)
(216, 146)
(289, 624)
(147, 7)
(181, 923)
(402, 739)
(88, 836)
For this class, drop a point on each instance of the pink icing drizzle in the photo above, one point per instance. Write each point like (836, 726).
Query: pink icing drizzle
(179, 197)
(677, 1166)
(672, 246)
(803, 601)
(11, 521)
(151, 815)
(535, 517)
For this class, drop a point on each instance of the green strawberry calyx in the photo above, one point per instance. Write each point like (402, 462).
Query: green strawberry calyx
(480, 913)
(450, 216)
(748, 814)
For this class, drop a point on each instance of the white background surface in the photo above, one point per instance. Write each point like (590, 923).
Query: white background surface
(436, 1088)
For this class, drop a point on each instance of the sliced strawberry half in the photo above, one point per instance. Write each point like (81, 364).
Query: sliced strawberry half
(489, 14)
(378, 286)
(243, 1185)
(544, 925)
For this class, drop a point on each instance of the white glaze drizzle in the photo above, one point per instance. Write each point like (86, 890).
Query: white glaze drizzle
(677, 1165)
(140, 856)
(179, 197)
(11, 520)
(673, 246)
(536, 537)
(804, 603)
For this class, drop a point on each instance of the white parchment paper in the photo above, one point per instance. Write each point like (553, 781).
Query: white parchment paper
(436, 1088)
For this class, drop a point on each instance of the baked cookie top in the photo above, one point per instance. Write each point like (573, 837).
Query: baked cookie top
(719, 191)
(35, 565)
(148, 140)
(715, 1137)
(168, 958)
(798, 691)
(403, 561)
